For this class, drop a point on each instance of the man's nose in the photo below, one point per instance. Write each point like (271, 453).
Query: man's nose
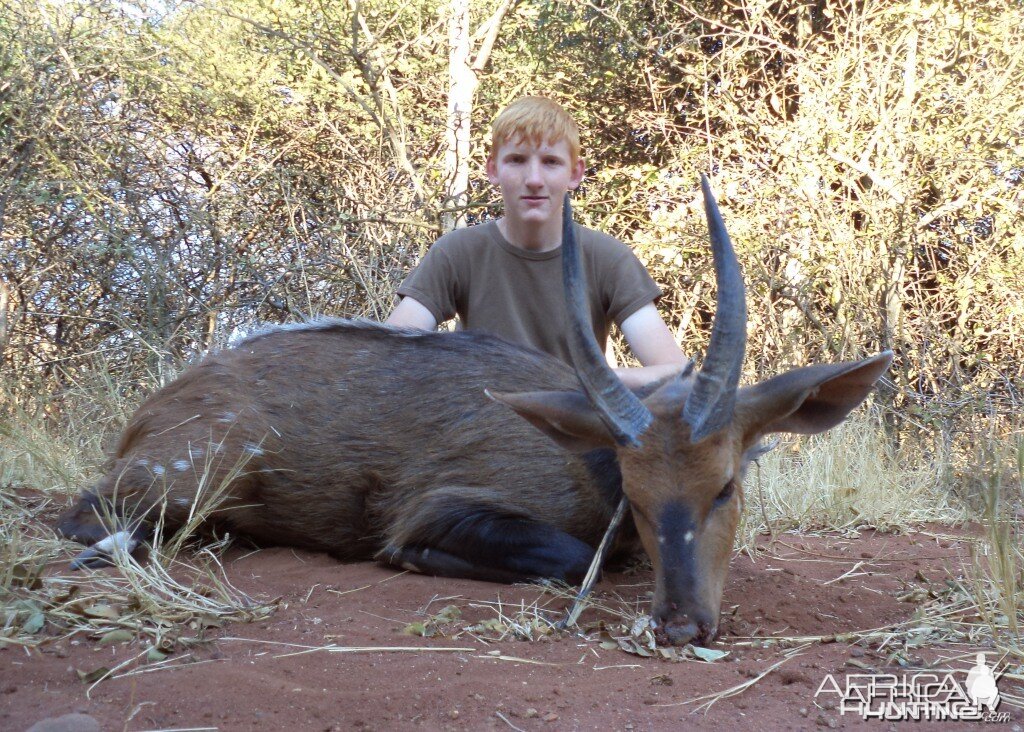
(533, 174)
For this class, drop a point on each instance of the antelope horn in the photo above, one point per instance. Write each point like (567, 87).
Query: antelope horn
(622, 412)
(709, 406)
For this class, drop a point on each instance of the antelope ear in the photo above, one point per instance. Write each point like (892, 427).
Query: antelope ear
(567, 417)
(809, 400)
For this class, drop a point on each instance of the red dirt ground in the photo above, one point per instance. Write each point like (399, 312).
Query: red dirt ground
(244, 679)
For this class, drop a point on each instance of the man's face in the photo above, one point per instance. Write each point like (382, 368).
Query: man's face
(533, 178)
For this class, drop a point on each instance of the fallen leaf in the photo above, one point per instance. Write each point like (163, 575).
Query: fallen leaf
(708, 654)
(99, 610)
(416, 629)
(448, 614)
(116, 636)
(35, 622)
(93, 676)
(27, 575)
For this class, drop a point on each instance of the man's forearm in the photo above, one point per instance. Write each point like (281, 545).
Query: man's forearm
(637, 377)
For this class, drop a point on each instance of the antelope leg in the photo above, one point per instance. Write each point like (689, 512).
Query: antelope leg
(462, 538)
(442, 564)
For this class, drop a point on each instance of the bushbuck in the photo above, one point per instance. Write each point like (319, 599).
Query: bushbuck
(461, 455)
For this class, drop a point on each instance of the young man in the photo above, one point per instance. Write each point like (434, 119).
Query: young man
(505, 276)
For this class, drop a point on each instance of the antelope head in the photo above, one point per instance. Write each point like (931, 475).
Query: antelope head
(683, 449)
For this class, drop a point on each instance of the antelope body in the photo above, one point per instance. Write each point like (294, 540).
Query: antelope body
(362, 441)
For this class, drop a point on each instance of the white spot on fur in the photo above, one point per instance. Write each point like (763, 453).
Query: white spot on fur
(183, 502)
(688, 537)
(159, 470)
(195, 452)
(142, 463)
(181, 465)
(662, 538)
(252, 449)
(122, 541)
(228, 418)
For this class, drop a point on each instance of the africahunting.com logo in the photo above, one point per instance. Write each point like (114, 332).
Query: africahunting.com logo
(922, 696)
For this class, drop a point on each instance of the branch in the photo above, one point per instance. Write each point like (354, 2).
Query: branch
(493, 27)
(748, 34)
(394, 140)
(863, 168)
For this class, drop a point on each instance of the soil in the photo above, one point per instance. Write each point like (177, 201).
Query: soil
(249, 677)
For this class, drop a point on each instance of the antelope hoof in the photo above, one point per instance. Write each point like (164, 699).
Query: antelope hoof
(91, 558)
(101, 554)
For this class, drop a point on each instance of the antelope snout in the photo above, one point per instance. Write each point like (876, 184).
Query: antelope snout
(678, 628)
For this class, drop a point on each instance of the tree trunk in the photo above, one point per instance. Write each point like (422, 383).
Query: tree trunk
(462, 83)
(5, 300)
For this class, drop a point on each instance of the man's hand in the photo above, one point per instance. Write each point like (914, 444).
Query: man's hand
(634, 378)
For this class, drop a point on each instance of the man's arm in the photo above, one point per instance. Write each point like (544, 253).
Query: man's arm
(411, 314)
(652, 343)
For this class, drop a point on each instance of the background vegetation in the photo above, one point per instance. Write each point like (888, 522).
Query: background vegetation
(172, 171)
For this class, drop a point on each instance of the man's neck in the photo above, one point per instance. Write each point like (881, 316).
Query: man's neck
(542, 238)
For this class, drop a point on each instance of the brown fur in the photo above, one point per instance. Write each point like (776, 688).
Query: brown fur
(348, 436)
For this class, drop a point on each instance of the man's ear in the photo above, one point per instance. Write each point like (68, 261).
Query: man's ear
(577, 174)
(492, 170)
(567, 417)
(809, 400)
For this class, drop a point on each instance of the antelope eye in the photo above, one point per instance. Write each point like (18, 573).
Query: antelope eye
(726, 493)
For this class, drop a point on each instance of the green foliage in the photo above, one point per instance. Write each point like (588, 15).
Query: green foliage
(171, 173)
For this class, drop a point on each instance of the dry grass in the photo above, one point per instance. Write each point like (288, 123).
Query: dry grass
(165, 602)
(849, 478)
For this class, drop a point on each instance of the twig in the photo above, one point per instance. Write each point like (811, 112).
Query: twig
(504, 719)
(734, 690)
(595, 566)
(764, 510)
(516, 659)
(183, 663)
(845, 574)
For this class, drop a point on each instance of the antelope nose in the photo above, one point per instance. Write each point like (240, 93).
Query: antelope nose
(679, 634)
(680, 629)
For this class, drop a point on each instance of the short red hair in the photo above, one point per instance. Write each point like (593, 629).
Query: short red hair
(539, 120)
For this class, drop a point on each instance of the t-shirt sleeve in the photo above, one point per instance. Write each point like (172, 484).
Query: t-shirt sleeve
(433, 283)
(627, 286)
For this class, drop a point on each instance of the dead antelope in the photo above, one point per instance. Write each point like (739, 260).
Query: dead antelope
(362, 441)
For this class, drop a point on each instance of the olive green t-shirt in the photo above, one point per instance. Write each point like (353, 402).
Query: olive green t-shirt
(516, 294)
